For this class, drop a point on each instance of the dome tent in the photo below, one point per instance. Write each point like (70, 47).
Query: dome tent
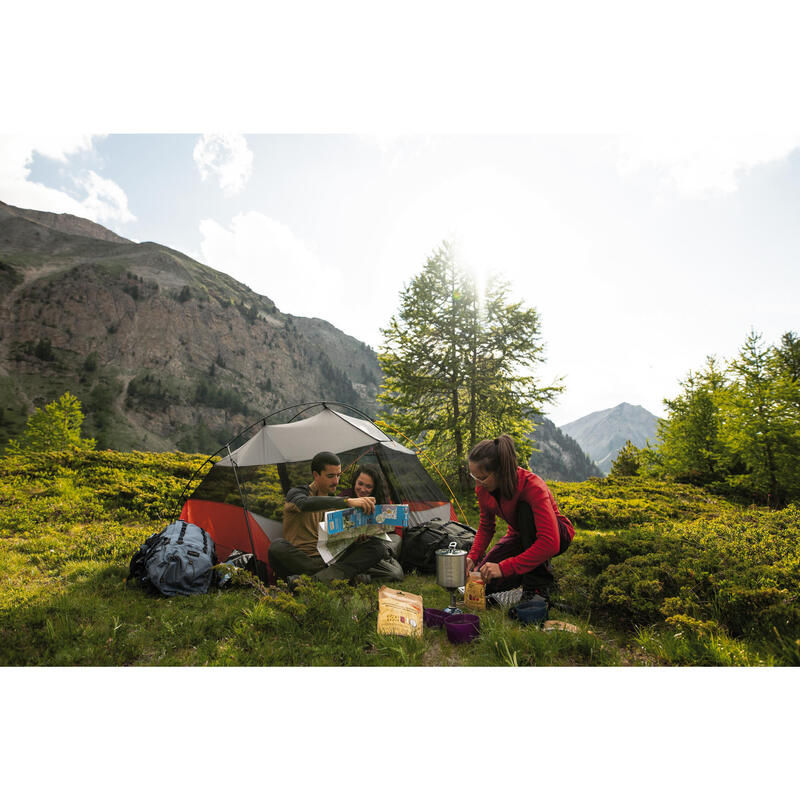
(239, 504)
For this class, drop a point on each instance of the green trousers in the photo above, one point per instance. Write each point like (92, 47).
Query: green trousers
(362, 557)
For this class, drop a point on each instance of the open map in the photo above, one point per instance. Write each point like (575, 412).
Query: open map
(337, 522)
(341, 528)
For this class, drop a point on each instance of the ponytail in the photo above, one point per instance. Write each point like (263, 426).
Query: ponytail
(498, 456)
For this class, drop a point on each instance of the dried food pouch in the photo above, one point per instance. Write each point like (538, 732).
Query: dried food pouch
(399, 612)
(475, 592)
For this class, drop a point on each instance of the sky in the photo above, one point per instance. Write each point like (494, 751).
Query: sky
(643, 254)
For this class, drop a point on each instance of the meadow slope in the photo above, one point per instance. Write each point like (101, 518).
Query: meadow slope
(659, 573)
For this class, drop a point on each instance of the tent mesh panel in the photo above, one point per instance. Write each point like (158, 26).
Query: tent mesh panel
(403, 476)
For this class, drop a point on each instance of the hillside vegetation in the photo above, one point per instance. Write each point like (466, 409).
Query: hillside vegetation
(659, 573)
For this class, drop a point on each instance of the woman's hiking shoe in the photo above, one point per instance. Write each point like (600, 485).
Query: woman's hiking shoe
(505, 599)
(361, 577)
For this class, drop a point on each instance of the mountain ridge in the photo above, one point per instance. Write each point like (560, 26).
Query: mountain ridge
(559, 457)
(163, 351)
(603, 433)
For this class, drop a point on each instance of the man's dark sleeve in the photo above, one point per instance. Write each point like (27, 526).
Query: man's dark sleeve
(301, 497)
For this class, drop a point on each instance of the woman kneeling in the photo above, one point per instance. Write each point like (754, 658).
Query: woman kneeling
(537, 530)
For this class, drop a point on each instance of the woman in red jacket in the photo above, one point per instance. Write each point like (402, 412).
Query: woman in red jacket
(537, 530)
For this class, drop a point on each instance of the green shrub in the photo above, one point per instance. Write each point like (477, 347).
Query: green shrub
(739, 572)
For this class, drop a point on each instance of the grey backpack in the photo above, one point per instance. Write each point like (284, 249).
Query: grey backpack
(179, 560)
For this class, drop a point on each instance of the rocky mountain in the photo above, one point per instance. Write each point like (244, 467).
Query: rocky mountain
(603, 433)
(559, 457)
(163, 352)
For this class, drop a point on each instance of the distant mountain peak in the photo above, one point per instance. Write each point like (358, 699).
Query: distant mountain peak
(603, 433)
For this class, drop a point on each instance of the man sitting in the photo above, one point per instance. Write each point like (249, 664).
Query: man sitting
(305, 508)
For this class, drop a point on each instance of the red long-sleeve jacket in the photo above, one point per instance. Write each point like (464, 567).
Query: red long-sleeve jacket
(534, 491)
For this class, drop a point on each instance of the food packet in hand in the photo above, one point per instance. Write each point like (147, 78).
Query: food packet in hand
(475, 592)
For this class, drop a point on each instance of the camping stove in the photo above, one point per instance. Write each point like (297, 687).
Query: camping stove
(451, 572)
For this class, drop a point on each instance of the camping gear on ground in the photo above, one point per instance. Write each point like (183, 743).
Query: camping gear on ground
(506, 599)
(399, 612)
(451, 570)
(475, 592)
(434, 617)
(421, 542)
(236, 560)
(240, 560)
(178, 560)
(558, 625)
(530, 612)
(462, 628)
(240, 500)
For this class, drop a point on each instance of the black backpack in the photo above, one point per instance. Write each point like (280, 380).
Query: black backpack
(420, 543)
(177, 560)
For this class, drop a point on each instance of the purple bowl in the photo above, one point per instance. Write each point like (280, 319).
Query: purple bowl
(433, 617)
(462, 628)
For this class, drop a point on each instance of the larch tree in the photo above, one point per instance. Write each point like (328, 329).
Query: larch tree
(459, 366)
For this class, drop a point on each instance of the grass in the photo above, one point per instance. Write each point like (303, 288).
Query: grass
(703, 583)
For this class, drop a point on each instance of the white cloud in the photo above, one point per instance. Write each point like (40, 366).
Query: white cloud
(695, 165)
(105, 201)
(268, 257)
(225, 157)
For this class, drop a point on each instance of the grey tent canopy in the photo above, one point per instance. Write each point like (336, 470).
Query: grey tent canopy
(240, 500)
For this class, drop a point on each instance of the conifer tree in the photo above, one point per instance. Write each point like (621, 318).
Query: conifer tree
(762, 422)
(692, 446)
(459, 367)
(788, 356)
(628, 461)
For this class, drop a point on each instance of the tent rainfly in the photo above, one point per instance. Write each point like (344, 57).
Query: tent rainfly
(240, 501)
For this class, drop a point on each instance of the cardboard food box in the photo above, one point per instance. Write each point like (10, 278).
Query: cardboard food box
(399, 612)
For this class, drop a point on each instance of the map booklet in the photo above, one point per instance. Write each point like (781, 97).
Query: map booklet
(341, 528)
(346, 519)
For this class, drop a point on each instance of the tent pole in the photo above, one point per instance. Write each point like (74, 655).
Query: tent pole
(244, 509)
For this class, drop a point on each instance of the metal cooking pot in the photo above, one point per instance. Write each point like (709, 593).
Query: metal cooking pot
(451, 567)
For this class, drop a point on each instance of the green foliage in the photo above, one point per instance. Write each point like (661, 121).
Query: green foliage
(44, 350)
(147, 390)
(209, 393)
(621, 502)
(90, 363)
(736, 573)
(628, 461)
(692, 446)
(697, 645)
(458, 365)
(738, 428)
(698, 581)
(763, 422)
(57, 426)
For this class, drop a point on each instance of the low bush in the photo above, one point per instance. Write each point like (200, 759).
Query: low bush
(739, 572)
